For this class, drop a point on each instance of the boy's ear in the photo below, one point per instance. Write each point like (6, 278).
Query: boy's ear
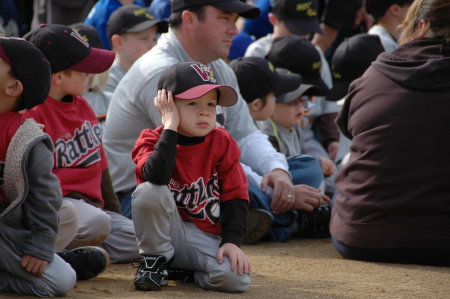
(57, 78)
(14, 88)
(255, 105)
(272, 18)
(116, 41)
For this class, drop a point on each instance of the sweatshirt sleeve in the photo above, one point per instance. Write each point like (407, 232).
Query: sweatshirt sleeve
(41, 205)
(234, 220)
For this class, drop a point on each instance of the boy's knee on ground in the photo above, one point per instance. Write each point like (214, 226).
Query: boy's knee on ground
(149, 197)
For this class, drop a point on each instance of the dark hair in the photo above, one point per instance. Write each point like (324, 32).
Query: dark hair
(436, 14)
(175, 19)
(378, 8)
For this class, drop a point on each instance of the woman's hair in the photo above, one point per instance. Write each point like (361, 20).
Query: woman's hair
(436, 14)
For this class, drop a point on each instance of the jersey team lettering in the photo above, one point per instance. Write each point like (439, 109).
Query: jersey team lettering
(68, 152)
(200, 201)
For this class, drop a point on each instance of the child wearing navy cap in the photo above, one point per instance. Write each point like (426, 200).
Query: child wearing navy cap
(190, 207)
(80, 162)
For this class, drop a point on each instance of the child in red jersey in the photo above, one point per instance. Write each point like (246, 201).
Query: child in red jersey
(30, 197)
(80, 162)
(190, 209)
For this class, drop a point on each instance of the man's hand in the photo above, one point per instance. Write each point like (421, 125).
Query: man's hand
(308, 198)
(283, 190)
(237, 257)
(33, 265)
(327, 166)
(169, 112)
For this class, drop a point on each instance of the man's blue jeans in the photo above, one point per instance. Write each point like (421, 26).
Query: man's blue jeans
(305, 170)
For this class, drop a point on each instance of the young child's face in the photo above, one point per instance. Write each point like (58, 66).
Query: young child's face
(7, 103)
(290, 114)
(136, 44)
(197, 116)
(75, 83)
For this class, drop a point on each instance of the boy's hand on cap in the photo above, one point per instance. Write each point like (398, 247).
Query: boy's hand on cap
(165, 104)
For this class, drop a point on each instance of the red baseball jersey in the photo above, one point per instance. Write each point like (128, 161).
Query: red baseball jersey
(205, 175)
(76, 133)
(9, 123)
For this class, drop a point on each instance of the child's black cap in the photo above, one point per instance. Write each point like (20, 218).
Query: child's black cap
(302, 89)
(65, 49)
(300, 56)
(191, 80)
(299, 16)
(350, 61)
(31, 68)
(133, 18)
(257, 77)
(243, 9)
(89, 33)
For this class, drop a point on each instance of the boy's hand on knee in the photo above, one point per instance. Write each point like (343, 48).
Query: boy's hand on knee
(33, 265)
(237, 257)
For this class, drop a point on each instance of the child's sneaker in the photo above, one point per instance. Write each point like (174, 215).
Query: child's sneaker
(315, 224)
(152, 273)
(87, 261)
(258, 226)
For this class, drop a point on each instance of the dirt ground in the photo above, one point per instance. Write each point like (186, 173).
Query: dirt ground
(296, 269)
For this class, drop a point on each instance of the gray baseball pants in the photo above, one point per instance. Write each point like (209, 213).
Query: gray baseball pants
(161, 231)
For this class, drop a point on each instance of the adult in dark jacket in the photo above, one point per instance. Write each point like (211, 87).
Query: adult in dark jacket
(394, 201)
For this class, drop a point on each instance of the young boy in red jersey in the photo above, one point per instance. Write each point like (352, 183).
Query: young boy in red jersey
(30, 197)
(190, 207)
(80, 162)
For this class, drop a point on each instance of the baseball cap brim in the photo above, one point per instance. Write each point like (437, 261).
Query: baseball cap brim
(339, 90)
(303, 89)
(98, 61)
(286, 82)
(318, 82)
(162, 26)
(228, 96)
(243, 9)
(302, 27)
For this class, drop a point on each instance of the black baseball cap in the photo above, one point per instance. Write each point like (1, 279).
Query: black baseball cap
(257, 77)
(31, 68)
(292, 95)
(300, 16)
(191, 80)
(133, 18)
(240, 7)
(89, 33)
(350, 60)
(300, 56)
(65, 49)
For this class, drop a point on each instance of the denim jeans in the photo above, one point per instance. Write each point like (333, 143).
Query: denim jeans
(304, 170)
(125, 202)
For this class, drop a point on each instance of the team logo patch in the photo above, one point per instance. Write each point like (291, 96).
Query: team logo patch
(205, 72)
(79, 38)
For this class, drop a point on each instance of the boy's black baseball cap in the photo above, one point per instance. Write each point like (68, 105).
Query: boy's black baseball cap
(300, 56)
(350, 60)
(257, 77)
(31, 68)
(89, 33)
(191, 80)
(300, 16)
(240, 7)
(133, 18)
(65, 49)
(302, 89)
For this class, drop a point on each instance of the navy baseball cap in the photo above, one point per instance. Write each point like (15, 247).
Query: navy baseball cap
(257, 77)
(300, 56)
(65, 49)
(300, 16)
(31, 68)
(240, 7)
(191, 80)
(350, 60)
(133, 18)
